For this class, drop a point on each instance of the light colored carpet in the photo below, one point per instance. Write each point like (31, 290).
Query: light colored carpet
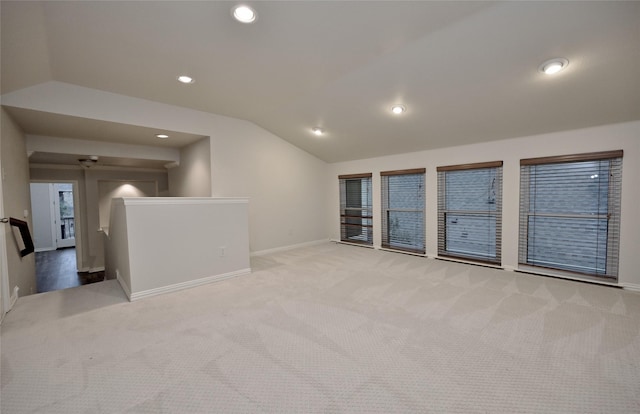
(329, 329)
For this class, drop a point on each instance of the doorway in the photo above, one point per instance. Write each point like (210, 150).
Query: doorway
(56, 235)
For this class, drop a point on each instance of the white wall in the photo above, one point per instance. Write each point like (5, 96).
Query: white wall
(92, 179)
(42, 217)
(108, 190)
(82, 147)
(116, 246)
(283, 183)
(192, 178)
(174, 243)
(17, 199)
(91, 247)
(623, 136)
(281, 180)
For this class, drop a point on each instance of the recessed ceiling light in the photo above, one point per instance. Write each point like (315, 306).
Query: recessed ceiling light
(244, 14)
(553, 66)
(317, 131)
(398, 109)
(185, 79)
(162, 136)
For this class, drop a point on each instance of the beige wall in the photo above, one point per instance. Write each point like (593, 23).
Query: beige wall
(609, 137)
(16, 198)
(192, 178)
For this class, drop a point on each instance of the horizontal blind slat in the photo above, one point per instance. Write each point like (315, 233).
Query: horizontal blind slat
(403, 203)
(569, 213)
(356, 215)
(470, 211)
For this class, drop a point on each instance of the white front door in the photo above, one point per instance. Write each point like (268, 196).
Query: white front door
(64, 215)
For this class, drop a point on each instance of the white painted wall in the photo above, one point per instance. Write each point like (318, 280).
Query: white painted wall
(91, 247)
(192, 178)
(623, 136)
(174, 243)
(109, 189)
(116, 246)
(280, 180)
(42, 217)
(81, 147)
(17, 199)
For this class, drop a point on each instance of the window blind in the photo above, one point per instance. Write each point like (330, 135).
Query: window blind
(570, 213)
(356, 216)
(403, 203)
(470, 211)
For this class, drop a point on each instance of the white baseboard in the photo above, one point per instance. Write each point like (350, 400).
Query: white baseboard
(184, 285)
(366, 246)
(289, 247)
(631, 286)
(44, 249)
(14, 297)
(91, 269)
(123, 285)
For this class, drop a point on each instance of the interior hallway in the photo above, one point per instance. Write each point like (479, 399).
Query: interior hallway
(56, 269)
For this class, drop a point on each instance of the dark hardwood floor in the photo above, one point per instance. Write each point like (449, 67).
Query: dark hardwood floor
(57, 270)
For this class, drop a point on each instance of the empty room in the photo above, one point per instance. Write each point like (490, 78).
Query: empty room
(320, 207)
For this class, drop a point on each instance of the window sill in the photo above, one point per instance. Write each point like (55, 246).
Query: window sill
(565, 275)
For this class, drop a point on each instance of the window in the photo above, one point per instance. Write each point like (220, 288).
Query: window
(403, 210)
(355, 208)
(570, 213)
(470, 211)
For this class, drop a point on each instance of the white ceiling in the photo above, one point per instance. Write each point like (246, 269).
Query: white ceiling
(56, 125)
(466, 71)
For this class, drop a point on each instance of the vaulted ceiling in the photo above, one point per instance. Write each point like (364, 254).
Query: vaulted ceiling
(466, 72)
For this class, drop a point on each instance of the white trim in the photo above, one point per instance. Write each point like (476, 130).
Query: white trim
(44, 249)
(132, 201)
(633, 287)
(4, 264)
(185, 285)
(562, 275)
(91, 269)
(469, 262)
(367, 246)
(123, 285)
(14, 297)
(289, 247)
(386, 249)
(96, 167)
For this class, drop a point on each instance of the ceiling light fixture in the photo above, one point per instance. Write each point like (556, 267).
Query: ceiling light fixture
(398, 109)
(88, 162)
(162, 136)
(317, 131)
(553, 66)
(185, 79)
(244, 13)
